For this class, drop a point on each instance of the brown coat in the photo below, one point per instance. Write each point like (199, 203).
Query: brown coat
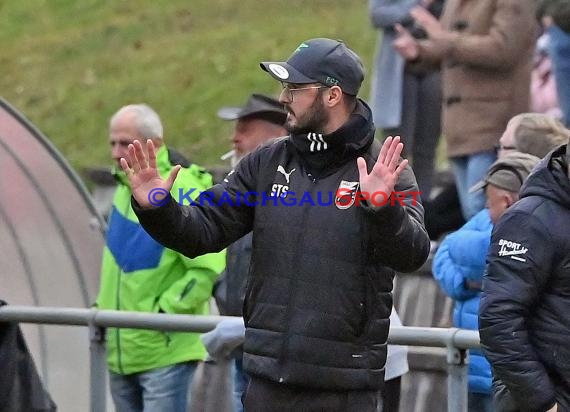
(486, 67)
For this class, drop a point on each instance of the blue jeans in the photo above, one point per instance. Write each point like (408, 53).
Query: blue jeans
(156, 390)
(560, 56)
(468, 171)
(241, 379)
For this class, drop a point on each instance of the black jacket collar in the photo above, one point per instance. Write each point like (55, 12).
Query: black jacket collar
(322, 154)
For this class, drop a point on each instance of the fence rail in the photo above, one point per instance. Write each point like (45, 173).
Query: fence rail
(456, 341)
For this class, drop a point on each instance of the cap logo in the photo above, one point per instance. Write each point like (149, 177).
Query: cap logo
(331, 81)
(279, 71)
(301, 46)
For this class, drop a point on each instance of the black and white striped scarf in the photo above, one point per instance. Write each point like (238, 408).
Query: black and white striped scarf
(322, 153)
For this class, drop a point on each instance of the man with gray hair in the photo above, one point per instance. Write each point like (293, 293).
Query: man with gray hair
(534, 133)
(151, 370)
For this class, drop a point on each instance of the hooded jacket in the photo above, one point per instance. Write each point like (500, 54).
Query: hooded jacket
(460, 259)
(138, 274)
(318, 296)
(523, 319)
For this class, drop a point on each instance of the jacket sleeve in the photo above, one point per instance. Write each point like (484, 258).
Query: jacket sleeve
(189, 293)
(193, 289)
(430, 57)
(461, 257)
(518, 268)
(398, 231)
(450, 274)
(218, 217)
(513, 30)
(386, 13)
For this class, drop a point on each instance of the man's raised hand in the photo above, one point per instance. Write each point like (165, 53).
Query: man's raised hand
(386, 170)
(144, 179)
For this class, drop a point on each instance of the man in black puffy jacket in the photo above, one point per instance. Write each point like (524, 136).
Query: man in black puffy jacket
(333, 215)
(524, 319)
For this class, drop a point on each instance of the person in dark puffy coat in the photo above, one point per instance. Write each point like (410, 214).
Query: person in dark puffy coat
(524, 321)
(459, 263)
(326, 240)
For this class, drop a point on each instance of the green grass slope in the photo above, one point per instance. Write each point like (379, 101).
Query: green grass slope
(69, 64)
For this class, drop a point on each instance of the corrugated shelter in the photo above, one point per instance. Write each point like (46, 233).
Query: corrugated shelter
(51, 238)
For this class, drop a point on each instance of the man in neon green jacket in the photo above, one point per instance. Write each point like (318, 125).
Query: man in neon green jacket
(151, 370)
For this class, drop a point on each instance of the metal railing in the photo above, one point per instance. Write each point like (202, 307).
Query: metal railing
(456, 341)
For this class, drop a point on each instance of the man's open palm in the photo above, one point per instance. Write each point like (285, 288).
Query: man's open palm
(386, 170)
(147, 186)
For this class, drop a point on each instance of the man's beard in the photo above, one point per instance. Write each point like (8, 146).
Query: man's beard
(314, 120)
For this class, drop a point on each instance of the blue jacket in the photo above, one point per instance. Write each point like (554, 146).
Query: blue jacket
(460, 259)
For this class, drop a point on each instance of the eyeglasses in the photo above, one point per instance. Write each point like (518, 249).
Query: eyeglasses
(289, 91)
(499, 146)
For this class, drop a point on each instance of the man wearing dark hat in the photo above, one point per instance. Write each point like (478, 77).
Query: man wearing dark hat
(260, 120)
(523, 319)
(318, 296)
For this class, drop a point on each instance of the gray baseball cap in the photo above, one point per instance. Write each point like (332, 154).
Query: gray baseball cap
(508, 172)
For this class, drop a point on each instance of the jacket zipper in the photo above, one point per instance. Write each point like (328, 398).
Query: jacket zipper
(118, 330)
(189, 286)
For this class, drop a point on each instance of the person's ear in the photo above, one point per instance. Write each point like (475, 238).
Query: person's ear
(507, 201)
(334, 96)
(511, 199)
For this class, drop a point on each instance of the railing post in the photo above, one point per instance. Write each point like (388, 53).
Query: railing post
(98, 368)
(457, 363)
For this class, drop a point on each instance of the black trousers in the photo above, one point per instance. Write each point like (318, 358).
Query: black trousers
(267, 396)
(391, 395)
